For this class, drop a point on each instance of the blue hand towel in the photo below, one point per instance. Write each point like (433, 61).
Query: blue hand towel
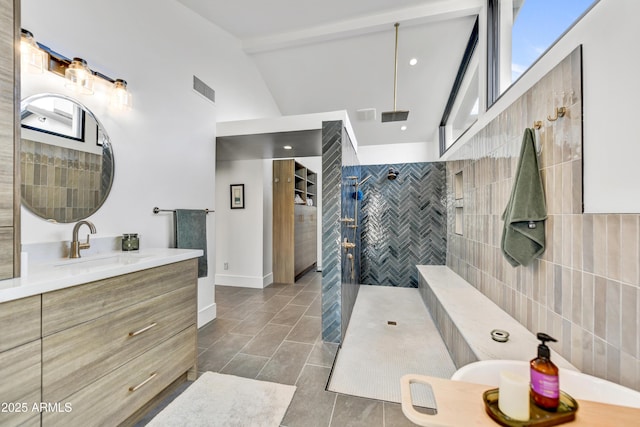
(191, 233)
(523, 233)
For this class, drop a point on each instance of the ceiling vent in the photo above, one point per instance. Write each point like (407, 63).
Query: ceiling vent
(203, 89)
(366, 114)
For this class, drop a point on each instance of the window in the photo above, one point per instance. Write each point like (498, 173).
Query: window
(56, 116)
(462, 107)
(520, 31)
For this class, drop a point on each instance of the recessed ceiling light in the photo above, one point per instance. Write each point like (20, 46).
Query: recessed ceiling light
(413, 61)
(287, 147)
(403, 128)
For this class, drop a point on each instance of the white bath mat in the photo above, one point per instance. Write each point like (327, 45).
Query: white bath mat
(227, 401)
(375, 355)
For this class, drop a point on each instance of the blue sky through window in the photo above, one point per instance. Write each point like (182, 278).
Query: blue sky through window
(538, 25)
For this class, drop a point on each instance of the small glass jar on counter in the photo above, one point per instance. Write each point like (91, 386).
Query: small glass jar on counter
(130, 242)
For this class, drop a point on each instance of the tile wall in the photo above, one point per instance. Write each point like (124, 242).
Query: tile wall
(584, 289)
(71, 177)
(339, 290)
(351, 257)
(404, 222)
(331, 211)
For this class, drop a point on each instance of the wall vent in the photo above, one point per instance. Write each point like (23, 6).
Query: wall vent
(203, 89)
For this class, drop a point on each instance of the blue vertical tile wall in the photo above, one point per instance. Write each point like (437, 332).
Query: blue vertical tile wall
(339, 288)
(331, 211)
(403, 222)
(350, 257)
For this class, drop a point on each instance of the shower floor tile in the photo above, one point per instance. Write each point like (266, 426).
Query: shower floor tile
(390, 334)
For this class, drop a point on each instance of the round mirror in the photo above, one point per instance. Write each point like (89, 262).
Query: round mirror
(66, 158)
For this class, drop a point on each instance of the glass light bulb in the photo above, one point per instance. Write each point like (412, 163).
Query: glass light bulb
(32, 58)
(79, 76)
(120, 97)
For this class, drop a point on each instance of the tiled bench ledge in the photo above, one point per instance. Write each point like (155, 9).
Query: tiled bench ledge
(465, 318)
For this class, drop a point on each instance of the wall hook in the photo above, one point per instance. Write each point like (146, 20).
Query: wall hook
(560, 112)
(537, 125)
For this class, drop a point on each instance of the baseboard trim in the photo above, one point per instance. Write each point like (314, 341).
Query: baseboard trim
(267, 280)
(206, 314)
(240, 281)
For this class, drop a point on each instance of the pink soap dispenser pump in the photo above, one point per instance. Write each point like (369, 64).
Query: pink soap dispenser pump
(545, 387)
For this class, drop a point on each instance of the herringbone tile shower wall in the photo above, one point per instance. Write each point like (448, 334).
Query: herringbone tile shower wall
(404, 222)
(331, 255)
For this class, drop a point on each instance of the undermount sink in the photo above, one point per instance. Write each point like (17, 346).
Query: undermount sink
(104, 259)
(576, 384)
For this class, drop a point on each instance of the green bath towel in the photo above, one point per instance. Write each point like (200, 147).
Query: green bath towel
(191, 233)
(523, 232)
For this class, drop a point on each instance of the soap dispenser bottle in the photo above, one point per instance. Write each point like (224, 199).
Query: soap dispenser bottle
(545, 387)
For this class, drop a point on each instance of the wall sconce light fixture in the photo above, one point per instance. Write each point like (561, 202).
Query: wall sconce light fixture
(32, 58)
(120, 98)
(79, 77)
(77, 73)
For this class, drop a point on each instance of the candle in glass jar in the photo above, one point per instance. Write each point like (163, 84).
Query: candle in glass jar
(513, 399)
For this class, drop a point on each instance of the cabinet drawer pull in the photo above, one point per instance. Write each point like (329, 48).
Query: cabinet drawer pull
(145, 329)
(134, 388)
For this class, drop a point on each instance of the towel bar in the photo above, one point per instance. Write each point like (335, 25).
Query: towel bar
(157, 210)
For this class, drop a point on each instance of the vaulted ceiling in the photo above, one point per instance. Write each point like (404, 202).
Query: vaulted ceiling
(339, 55)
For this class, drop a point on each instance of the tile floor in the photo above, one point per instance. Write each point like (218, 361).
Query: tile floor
(274, 334)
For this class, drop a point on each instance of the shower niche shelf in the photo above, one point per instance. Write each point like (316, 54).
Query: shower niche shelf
(458, 193)
(457, 186)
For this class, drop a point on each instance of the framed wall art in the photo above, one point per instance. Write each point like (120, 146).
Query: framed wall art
(237, 196)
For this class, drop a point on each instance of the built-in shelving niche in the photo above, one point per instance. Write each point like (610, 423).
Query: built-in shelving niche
(305, 183)
(458, 226)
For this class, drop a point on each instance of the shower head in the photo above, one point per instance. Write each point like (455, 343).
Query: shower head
(393, 174)
(395, 115)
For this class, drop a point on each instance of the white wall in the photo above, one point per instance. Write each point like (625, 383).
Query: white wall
(413, 152)
(611, 88)
(240, 233)
(165, 147)
(244, 237)
(267, 219)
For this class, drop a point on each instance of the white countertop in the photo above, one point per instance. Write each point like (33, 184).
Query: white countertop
(63, 273)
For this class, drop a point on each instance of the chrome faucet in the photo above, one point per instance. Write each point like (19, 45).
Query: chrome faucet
(75, 244)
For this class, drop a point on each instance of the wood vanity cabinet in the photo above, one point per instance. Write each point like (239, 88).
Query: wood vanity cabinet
(20, 349)
(110, 346)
